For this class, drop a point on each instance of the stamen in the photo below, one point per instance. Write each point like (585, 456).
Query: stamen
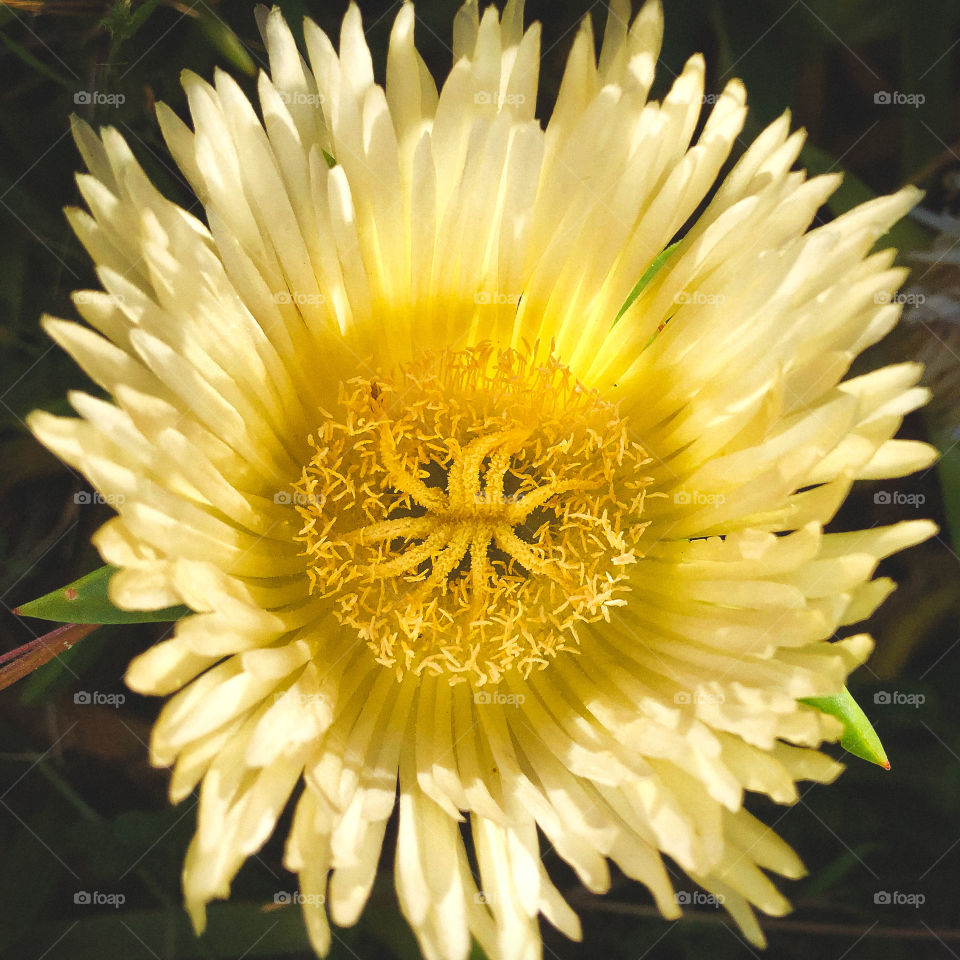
(465, 513)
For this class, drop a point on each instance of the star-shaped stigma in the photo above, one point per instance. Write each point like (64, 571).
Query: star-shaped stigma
(466, 514)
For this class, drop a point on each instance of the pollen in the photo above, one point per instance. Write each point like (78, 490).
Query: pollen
(465, 512)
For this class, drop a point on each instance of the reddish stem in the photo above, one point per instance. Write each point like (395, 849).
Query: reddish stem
(23, 660)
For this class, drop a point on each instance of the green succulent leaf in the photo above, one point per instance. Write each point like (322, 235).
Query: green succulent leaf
(648, 274)
(859, 737)
(226, 42)
(86, 601)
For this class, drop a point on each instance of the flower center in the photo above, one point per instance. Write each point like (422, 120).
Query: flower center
(465, 513)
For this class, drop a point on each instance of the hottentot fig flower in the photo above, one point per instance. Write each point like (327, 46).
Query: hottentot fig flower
(471, 523)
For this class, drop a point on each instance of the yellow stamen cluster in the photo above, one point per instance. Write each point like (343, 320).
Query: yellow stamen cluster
(465, 513)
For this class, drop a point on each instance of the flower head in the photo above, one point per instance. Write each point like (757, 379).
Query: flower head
(460, 506)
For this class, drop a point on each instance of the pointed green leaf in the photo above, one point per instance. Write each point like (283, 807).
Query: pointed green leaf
(859, 737)
(86, 601)
(227, 43)
(648, 275)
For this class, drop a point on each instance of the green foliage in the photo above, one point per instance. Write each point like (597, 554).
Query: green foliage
(658, 261)
(859, 737)
(86, 601)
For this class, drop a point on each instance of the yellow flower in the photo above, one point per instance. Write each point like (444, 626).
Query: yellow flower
(444, 516)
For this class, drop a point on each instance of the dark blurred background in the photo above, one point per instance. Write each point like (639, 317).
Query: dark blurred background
(91, 850)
